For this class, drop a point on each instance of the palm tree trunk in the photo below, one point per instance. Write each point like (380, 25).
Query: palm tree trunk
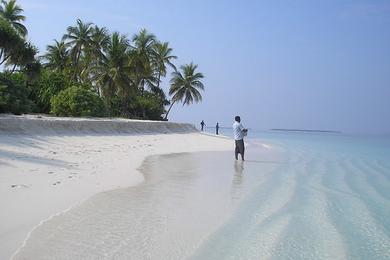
(76, 65)
(158, 82)
(166, 115)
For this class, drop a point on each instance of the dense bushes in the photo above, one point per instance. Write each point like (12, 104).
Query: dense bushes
(77, 101)
(49, 85)
(14, 96)
(148, 106)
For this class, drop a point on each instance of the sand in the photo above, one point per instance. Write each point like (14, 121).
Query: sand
(49, 165)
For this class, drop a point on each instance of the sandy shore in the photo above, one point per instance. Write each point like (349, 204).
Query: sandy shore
(49, 165)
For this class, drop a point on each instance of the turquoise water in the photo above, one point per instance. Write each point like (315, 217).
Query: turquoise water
(330, 200)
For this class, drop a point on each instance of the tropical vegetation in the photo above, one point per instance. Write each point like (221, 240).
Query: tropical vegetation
(90, 71)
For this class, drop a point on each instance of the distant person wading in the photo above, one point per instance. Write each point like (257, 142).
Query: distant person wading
(239, 132)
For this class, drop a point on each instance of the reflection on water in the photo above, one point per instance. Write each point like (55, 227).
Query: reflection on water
(237, 180)
(238, 167)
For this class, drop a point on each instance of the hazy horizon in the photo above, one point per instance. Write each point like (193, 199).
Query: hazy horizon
(278, 64)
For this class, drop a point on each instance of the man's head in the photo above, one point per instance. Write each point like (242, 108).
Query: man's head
(238, 119)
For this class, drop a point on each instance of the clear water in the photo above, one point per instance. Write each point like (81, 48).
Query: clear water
(310, 196)
(330, 201)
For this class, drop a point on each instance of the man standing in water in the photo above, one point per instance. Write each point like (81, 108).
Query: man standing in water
(239, 132)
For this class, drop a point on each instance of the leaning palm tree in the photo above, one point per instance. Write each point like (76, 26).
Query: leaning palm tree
(57, 56)
(185, 86)
(162, 57)
(12, 12)
(79, 39)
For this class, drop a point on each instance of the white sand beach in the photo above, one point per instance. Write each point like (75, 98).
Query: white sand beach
(48, 165)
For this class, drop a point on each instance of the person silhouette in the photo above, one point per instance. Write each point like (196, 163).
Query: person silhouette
(217, 129)
(202, 124)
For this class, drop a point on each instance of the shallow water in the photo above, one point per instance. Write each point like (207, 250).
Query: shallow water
(331, 201)
(308, 197)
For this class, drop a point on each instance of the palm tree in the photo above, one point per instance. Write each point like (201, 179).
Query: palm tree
(162, 58)
(141, 59)
(79, 39)
(100, 40)
(94, 53)
(113, 73)
(144, 41)
(22, 55)
(9, 40)
(185, 86)
(12, 12)
(57, 56)
(12, 32)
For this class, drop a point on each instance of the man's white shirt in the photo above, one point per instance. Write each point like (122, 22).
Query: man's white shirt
(237, 131)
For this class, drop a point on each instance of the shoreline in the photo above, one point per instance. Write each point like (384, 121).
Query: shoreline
(49, 173)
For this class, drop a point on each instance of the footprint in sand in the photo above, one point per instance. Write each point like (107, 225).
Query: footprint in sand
(20, 186)
(56, 183)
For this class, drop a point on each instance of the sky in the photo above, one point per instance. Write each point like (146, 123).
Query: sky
(278, 64)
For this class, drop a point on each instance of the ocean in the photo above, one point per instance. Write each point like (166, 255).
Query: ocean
(297, 196)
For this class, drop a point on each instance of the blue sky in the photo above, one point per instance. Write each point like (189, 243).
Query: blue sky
(278, 64)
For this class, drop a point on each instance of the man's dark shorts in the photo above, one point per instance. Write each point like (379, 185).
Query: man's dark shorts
(240, 146)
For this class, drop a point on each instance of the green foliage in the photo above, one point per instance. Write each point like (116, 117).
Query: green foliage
(16, 78)
(49, 85)
(14, 95)
(15, 51)
(185, 85)
(12, 12)
(77, 101)
(148, 106)
(22, 54)
(8, 36)
(126, 73)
